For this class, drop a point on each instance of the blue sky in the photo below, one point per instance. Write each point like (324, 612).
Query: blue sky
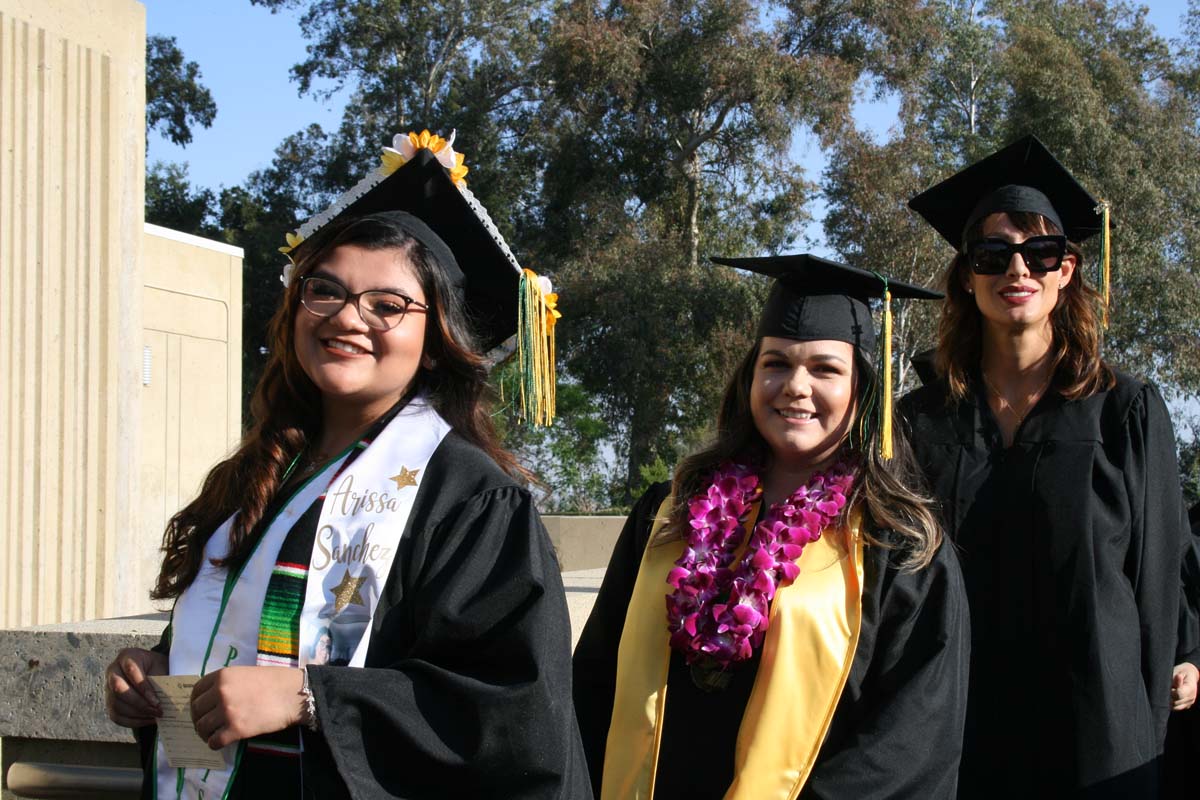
(245, 53)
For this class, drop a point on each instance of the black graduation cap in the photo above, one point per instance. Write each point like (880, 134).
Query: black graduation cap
(420, 185)
(815, 298)
(1024, 176)
(465, 240)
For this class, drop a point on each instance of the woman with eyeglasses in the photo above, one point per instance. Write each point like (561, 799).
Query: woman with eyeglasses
(1058, 484)
(783, 620)
(363, 591)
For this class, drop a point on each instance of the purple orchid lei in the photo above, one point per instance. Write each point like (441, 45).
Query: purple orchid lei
(718, 614)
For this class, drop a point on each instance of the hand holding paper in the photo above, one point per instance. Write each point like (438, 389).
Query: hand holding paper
(184, 747)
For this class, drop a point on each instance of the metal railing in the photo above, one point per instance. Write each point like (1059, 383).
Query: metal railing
(31, 779)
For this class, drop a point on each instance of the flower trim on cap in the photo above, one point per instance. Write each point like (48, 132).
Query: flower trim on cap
(404, 147)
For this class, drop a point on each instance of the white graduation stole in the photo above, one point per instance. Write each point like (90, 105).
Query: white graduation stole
(216, 620)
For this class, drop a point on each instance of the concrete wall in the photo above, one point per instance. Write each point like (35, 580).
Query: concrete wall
(72, 128)
(583, 542)
(120, 343)
(191, 381)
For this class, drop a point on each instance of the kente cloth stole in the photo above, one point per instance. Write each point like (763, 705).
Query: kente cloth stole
(806, 659)
(366, 496)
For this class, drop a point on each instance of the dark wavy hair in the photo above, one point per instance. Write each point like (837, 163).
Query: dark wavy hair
(1079, 371)
(286, 406)
(892, 492)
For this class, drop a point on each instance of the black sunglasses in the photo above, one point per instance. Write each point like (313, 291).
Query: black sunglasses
(992, 256)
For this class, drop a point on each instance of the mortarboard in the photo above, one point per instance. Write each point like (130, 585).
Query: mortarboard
(1024, 176)
(814, 298)
(420, 186)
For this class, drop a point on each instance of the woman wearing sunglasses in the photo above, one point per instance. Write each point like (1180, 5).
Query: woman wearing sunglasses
(1058, 483)
(364, 591)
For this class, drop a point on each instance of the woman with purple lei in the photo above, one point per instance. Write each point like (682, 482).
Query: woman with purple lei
(815, 638)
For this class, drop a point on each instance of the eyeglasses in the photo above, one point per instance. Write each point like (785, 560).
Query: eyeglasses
(1040, 253)
(381, 310)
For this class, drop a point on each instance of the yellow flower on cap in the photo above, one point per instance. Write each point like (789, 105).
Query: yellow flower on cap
(552, 312)
(458, 172)
(392, 160)
(293, 241)
(427, 140)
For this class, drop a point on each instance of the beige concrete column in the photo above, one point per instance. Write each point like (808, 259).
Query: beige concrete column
(72, 127)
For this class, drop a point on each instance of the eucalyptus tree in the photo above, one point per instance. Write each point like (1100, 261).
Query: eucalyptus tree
(175, 97)
(672, 127)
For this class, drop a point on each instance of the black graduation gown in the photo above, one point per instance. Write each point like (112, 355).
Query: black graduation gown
(465, 692)
(897, 728)
(1070, 542)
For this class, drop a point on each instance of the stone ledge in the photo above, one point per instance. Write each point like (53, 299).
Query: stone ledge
(52, 676)
(583, 542)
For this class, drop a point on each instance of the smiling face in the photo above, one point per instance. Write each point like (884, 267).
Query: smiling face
(1018, 298)
(361, 371)
(802, 399)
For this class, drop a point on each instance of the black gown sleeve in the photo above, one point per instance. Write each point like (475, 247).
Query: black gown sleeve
(1157, 561)
(897, 731)
(1188, 648)
(595, 661)
(476, 701)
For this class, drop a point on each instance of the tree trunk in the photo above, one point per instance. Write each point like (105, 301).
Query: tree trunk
(693, 210)
(641, 434)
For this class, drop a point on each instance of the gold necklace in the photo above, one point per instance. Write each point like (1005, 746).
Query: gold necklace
(1029, 403)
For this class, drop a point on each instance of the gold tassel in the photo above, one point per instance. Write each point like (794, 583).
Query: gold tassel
(885, 445)
(535, 350)
(1105, 261)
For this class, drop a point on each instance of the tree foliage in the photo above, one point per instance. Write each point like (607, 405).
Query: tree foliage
(172, 201)
(870, 226)
(673, 123)
(176, 100)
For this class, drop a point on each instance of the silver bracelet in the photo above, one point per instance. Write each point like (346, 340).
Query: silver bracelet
(308, 717)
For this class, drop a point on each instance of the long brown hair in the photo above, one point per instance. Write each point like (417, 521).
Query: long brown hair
(891, 491)
(1079, 371)
(286, 406)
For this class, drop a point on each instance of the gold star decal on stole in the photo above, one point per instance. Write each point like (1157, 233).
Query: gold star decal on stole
(406, 477)
(347, 592)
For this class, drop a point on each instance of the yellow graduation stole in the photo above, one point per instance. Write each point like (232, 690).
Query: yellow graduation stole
(806, 658)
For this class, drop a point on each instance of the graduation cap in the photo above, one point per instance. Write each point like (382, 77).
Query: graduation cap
(420, 186)
(814, 298)
(1024, 176)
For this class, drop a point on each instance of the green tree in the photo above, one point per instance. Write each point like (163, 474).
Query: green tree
(176, 100)
(172, 201)
(671, 126)
(870, 227)
(569, 457)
